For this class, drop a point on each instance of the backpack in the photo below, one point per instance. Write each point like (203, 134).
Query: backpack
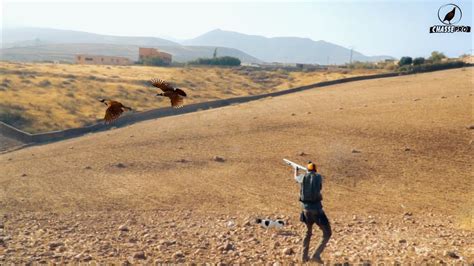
(311, 188)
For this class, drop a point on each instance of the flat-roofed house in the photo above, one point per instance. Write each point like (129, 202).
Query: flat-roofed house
(146, 53)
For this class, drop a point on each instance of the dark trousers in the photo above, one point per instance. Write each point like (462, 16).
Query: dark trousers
(319, 218)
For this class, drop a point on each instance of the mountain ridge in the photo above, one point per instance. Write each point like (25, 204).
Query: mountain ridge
(285, 49)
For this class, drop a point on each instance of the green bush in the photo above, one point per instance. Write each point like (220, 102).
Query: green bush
(431, 67)
(217, 61)
(406, 60)
(153, 61)
(436, 56)
(418, 61)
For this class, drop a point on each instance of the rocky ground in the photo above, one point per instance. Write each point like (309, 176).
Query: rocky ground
(395, 152)
(164, 236)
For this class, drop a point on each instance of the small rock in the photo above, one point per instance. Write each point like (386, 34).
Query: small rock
(120, 165)
(228, 247)
(470, 127)
(417, 99)
(276, 244)
(451, 254)
(54, 245)
(443, 97)
(88, 167)
(182, 161)
(218, 159)
(23, 175)
(293, 114)
(140, 255)
(302, 153)
(355, 151)
(178, 254)
(123, 228)
(402, 241)
(407, 149)
(288, 251)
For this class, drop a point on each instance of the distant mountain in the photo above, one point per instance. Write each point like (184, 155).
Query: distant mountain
(67, 51)
(39, 44)
(282, 49)
(36, 36)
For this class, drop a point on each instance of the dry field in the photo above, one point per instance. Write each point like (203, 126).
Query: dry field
(46, 97)
(396, 154)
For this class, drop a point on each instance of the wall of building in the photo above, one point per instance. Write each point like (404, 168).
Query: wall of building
(102, 60)
(144, 53)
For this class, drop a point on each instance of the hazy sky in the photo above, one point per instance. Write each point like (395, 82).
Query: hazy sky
(371, 27)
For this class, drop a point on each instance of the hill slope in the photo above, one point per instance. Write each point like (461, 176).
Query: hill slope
(39, 36)
(67, 52)
(159, 178)
(38, 44)
(282, 49)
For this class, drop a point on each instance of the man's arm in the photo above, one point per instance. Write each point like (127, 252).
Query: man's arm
(298, 178)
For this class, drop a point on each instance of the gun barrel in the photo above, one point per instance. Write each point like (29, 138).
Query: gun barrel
(294, 165)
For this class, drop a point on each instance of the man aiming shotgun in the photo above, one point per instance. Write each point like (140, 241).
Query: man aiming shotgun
(310, 197)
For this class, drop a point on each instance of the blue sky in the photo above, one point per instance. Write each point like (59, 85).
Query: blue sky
(394, 28)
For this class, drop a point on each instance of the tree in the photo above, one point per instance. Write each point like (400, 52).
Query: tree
(406, 60)
(214, 55)
(436, 56)
(418, 61)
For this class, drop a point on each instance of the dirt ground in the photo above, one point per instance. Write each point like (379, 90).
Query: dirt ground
(396, 154)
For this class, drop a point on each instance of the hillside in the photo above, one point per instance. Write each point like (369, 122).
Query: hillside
(42, 44)
(282, 49)
(42, 36)
(67, 52)
(46, 97)
(395, 153)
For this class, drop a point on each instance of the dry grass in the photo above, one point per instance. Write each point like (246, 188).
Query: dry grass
(53, 96)
(378, 117)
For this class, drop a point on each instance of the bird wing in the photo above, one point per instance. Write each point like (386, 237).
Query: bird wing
(164, 86)
(113, 112)
(180, 92)
(176, 100)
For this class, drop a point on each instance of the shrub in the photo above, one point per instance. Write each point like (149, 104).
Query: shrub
(217, 61)
(44, 83)
(153, 61)
(431, 67)
(418, 61)
(406, 60)
(14, 116)
(362, 65)
(436, 56)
